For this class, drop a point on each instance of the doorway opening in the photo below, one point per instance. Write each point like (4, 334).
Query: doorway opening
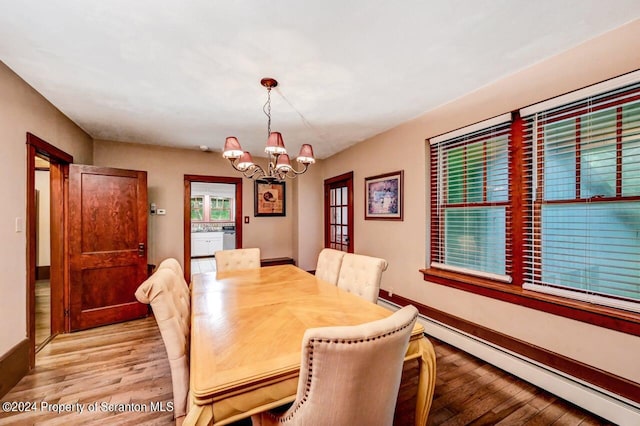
(212, 220)
(43, 253)
(58, 163)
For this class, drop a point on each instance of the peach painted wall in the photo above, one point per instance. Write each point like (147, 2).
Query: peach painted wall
(23, 110)
(404, 244)
(165, 169)
(308, 226)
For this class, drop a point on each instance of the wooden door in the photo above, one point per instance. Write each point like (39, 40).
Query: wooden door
(107, 244)
(338, 212)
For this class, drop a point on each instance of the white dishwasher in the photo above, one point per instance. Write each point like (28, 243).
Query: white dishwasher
(228, 237)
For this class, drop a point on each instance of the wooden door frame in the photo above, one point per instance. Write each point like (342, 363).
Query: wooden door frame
(59, 171)
(327, 183)
(188, 179)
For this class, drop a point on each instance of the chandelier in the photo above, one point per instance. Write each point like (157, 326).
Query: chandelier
(279, 166)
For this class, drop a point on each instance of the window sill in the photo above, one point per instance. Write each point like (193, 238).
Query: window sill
(615, 319)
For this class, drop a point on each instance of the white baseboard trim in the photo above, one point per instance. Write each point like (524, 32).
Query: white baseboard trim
(599, 401)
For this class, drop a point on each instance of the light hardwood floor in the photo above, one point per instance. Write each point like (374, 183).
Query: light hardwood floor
(117, 364)
(127, 364)
(43, 312)
(471, 392)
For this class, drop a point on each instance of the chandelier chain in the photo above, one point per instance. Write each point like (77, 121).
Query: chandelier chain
(267, 105)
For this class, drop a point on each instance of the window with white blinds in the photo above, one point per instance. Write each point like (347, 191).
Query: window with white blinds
(582, 199)
(470, 211)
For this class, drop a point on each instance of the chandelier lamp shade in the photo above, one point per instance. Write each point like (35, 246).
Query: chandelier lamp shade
(279, 164)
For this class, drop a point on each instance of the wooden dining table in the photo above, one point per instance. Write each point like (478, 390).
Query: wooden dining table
(246, 333)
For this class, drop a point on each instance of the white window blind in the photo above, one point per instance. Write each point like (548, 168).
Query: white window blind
(582, 199)
(470, 213)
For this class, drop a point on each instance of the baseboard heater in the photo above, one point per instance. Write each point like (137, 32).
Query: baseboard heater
(592, 398)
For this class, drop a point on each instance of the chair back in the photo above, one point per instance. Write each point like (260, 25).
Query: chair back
(171, 304)
(349, 375)
(174, 265)
(237, 259)
(329, 262)
(361, 275)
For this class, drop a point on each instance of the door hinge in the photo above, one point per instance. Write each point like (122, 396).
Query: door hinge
(66, 312)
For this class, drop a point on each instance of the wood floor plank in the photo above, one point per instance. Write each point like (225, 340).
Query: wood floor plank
(482, 404)
(547, 416)
(519, 417)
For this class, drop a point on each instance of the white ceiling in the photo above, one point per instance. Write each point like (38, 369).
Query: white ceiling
(187, 73)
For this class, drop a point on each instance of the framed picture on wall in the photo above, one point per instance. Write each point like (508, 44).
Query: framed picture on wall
(270, 198)
(384, 196)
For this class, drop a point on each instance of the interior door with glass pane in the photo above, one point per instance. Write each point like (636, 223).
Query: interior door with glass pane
(338, 212)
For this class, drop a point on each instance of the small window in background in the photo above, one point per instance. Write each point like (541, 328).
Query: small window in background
(197, 208)
(220, 209)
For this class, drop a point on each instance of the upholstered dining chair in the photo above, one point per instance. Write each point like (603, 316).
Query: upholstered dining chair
(328, 267)
(237, 259)
(173, 265)
(170, 301)
(361, 275)
(349, 375)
